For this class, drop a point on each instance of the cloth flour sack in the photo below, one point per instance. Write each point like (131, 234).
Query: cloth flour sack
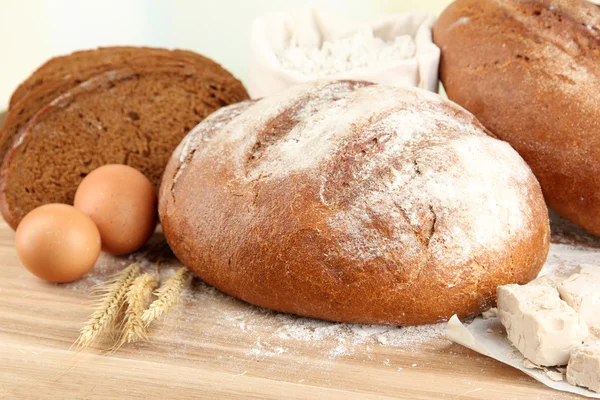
(273, 33)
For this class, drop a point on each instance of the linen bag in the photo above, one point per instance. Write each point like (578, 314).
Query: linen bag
(310, 27)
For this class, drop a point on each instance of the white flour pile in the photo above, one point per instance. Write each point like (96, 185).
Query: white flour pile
(361, 50)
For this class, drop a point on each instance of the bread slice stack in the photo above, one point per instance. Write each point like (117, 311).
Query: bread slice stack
(126, 105)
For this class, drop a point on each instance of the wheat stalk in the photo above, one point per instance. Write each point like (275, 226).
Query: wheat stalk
(107, 311)
(168, 295)
(137, 296)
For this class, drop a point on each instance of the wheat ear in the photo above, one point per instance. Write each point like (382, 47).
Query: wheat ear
(110, 304)
(168, 295)
(139, 293)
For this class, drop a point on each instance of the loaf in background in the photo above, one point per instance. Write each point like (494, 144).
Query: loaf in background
(530, 72)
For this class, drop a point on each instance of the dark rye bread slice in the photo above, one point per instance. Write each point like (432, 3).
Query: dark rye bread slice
(42, 95)
(133, 116)
(109, 57)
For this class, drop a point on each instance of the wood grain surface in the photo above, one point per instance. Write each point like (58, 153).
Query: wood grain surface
(214, 347)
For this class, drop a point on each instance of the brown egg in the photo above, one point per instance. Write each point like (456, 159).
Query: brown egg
(57, 243)
(122, 202)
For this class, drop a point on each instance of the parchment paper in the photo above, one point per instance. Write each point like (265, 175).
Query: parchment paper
(488, 337)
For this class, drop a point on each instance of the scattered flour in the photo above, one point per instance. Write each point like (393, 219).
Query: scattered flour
(360, 50)
(564, 260)
(269, 334)
(208, 319)
(350, 336)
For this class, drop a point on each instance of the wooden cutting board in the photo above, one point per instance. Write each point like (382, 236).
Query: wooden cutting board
(215, 347)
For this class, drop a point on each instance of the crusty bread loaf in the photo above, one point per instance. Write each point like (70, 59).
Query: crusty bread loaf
(134, 116)
(101, 59)
(529, 70)
(349, 201)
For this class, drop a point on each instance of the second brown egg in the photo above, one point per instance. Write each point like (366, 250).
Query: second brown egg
(123, 204)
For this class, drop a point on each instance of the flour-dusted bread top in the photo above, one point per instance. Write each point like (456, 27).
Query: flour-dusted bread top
(529, 71)
(134, 116)
(104, 58)
(354, 202)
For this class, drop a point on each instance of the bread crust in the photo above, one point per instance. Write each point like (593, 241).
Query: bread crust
(526, 69)
(103, 58)
(350, 226)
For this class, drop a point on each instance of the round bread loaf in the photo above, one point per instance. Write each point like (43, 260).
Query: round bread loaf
(529, 71)
(355, 202)
(134, 116)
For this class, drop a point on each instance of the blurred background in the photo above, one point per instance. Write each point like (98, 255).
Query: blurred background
(33, 31)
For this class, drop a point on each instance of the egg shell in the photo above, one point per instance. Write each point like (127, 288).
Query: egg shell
(123, 204)
(57, 243)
